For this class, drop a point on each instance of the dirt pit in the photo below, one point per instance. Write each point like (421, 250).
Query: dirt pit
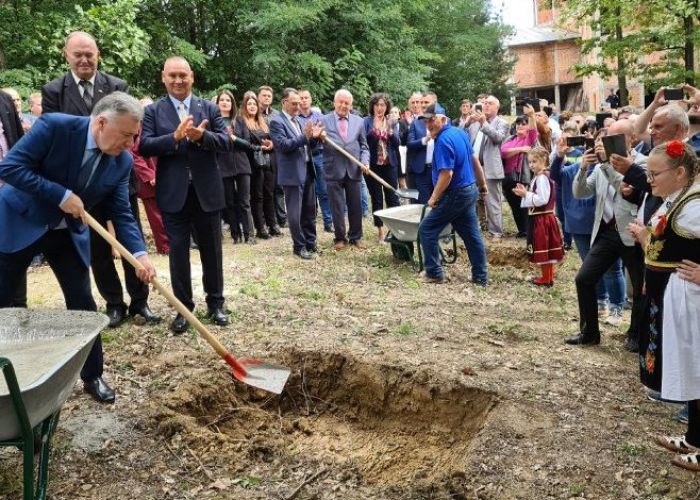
(388, 427)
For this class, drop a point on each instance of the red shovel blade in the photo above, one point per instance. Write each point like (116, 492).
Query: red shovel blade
(257, 373)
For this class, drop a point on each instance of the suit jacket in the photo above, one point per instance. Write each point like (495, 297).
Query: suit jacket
(37, 172)
(62, 94)
(597, 184)
(290, 151)
(335, 165)
(176, 158)
(496, 131)
(11, 122)
(392, 144)
(415, 149)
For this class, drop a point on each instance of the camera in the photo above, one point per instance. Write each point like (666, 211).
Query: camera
(478, 107)
(576, 141)
(671, 94)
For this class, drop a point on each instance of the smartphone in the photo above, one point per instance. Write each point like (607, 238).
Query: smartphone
(615, 145)
(671, 94)
(478, 107)
(590, 143)
(575, 141)
(600, 119)
(535, 103)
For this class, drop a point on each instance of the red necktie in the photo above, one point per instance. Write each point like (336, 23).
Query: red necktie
(343, 126)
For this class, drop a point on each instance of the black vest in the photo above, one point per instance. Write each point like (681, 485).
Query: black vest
(667, 244)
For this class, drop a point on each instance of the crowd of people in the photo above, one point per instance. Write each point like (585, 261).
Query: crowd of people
(622, 188)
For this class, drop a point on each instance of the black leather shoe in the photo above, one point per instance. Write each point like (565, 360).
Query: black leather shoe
(581, 339)
(303, 254)
(313, 249)
(147, 314)
(218, 316)
(263, 235)
(275, 231)
(116, 315)
(99, 390)
(179, 325)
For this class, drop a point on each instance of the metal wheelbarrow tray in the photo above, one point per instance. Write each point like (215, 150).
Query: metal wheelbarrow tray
(41, 354)
(403, 222)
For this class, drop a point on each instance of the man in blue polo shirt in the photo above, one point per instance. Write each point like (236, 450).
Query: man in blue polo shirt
(456, 173)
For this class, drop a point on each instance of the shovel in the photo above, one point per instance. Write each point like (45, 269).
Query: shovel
(254, 372)
(411, 194)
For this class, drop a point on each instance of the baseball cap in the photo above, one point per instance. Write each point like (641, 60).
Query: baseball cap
(431, 111)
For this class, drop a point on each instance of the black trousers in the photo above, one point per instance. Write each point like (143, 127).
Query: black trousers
(262, 194)
(693, 434)
(207, 225)
(72, 276)
(104, 271)
(606, 249)
(341, 194)
(519, 214)
(379, 193)
(237, 212)
(301, 213)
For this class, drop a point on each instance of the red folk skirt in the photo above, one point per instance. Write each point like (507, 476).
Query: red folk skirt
(544, 244)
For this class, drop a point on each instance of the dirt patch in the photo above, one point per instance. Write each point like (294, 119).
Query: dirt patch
(388, 425)
(507, 256)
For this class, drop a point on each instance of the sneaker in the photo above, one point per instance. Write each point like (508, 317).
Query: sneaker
(602, 310)
(614, 316)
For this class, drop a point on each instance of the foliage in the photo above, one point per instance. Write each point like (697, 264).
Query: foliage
(394, 46)
(658, 29)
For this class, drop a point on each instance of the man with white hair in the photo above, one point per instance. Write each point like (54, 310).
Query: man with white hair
(661, 121)
(65, 166)
(487, 132)
(456, 172)
(344, 177)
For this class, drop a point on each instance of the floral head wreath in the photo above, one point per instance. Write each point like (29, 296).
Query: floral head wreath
(675, 149)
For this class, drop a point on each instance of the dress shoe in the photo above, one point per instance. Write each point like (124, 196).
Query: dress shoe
(303, 254)
(340, 245)
(359, 244)
(179, 325)
(218, 316)
(313, 249)
(282, 223)
(582, 339)
(541, 282)
(329, 228)
(236, 238)
(263, 235)
(275, 231)
(99, 390)
(147, 314)
(116, 315)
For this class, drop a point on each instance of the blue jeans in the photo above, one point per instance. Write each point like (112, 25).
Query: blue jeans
(364, 197)
(458, 207)
(322, 191)
(612, 287)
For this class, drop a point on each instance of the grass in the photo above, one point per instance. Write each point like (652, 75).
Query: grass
(631, 449)
(405, 330)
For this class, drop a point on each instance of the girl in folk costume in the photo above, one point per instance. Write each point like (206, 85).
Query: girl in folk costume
(671, 242)
(544, 244)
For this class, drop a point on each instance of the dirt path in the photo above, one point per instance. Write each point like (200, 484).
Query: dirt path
(399, 391)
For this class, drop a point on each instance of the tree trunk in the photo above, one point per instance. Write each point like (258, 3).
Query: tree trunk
(689, 52)
(621, 63)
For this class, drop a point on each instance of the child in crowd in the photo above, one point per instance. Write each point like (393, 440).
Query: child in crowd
(544, 244)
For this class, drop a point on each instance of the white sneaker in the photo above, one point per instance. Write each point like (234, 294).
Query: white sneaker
(615, 317)
(602, 311)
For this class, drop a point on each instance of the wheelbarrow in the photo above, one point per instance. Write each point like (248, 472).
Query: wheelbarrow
(41, 354)
(403, 222)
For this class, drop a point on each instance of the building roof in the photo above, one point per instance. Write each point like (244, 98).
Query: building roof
(540, 34)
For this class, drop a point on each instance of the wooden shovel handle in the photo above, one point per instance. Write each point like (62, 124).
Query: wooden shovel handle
(359, 164)
(179, 306)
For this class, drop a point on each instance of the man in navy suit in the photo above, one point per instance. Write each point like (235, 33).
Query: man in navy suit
(419, 151)
(75, 93)
(66, 165)
(185, 133)
(344, 177)
(295, 172)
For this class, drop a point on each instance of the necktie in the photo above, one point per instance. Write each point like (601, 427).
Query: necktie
(87, 93)
(297, 127)
(88, 167)
(182, 111)
(343, 128)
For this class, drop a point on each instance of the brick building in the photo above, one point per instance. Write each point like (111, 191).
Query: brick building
(545, 57)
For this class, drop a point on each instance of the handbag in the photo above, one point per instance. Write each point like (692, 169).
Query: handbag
(522, 173)
(261, 158)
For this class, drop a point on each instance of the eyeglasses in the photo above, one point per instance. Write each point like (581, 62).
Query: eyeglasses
(651, 176)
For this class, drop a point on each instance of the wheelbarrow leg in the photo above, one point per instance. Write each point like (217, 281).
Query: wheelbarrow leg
(48, 427)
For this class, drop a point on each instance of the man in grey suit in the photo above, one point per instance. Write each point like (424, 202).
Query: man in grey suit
(295, 172)
(487, 131)
(343, 177)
